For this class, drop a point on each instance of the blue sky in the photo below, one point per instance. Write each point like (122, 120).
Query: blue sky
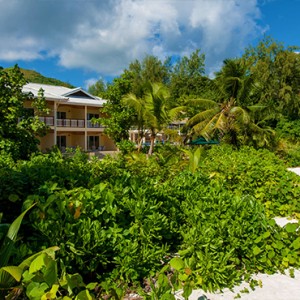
(80, 41)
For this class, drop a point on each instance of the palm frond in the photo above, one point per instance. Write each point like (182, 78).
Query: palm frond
(203, 115)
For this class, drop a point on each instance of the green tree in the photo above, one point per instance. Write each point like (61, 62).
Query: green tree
(119, 117)
(187, 77)
(228, 116)
(277, 72)
(138, 105)
(19, 128)
(152, 111)
(98, 89)
(150, 69)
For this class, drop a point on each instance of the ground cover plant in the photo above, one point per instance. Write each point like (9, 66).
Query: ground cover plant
(152, 225)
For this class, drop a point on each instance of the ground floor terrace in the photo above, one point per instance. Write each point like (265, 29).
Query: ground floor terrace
(86, 140)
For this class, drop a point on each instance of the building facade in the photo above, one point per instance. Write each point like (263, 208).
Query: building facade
(70, 118)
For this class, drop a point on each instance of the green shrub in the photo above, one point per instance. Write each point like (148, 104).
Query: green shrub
(258, 173)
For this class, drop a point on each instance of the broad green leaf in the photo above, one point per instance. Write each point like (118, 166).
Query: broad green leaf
(167, 296)
(84, 295)
(291, 227)
(49, 251)
(38, 263)
(9, 240)
(52, 293)
(36, 290)
(15, 272)
(177, 263)
(256, 250)
(296, 243)
(91, 285)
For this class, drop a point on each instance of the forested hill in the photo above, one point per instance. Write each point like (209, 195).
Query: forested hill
(33, 76)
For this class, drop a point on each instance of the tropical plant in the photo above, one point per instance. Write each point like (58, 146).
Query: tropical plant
(152, 111)
(10, 274)
(227, 116)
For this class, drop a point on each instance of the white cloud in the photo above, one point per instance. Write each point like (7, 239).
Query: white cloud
(105, 36)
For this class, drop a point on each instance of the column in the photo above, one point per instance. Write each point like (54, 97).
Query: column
(54, 119)
(85, 128)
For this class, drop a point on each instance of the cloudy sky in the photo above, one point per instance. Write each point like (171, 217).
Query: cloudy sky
(80, 41)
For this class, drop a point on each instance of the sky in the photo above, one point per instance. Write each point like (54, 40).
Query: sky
(82, 41)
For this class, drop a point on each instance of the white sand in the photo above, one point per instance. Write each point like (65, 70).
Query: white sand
(295, 170)
(274, 287)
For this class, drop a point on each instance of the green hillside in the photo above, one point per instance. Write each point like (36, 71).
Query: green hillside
(35, 77)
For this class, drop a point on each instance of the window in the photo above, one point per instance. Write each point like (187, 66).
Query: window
(61, 115)
(62, 119)
(61, 142)
(93, 142)
(90, 123)
(91, 116)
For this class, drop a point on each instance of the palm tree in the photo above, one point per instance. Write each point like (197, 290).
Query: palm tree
(138, 106)
(152, 111)
(231, 116)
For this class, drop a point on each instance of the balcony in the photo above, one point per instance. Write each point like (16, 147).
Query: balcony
(75, 123)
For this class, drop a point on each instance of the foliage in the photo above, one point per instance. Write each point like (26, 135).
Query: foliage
(289, 152)
(129, 216)
(152, 111)
(289, 130)
(150, 69)
(227, 116)
(258, 173)
(18, 130)
(24, 178)
(98, 88)
(33, 76)
(126, 146)
(187, 77)
(277, 70)
(119, 117)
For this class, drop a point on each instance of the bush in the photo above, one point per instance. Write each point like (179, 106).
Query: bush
(258, 173)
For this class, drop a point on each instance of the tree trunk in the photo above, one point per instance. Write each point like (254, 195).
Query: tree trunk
(152, 139)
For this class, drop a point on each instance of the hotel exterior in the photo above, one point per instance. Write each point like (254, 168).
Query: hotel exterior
(70, 118)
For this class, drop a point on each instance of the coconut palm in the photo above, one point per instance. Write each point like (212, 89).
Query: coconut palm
(152, 111)
(230, 116)
(138, 106)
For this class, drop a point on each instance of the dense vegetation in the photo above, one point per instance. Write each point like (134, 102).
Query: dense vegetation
(122, 220)
(181, 218)
(36, 77)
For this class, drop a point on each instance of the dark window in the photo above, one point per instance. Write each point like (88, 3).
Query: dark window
(93, 142)
(91, 116)
(61, 115)
(61, 142)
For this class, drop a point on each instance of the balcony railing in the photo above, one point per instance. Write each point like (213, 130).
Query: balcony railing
(47, 120)
(91, 124)
(70, 123)
(77, 123)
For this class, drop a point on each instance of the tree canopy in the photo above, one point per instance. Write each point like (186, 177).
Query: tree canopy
(19, 127)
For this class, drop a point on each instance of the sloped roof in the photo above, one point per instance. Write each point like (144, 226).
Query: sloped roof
(76, 96)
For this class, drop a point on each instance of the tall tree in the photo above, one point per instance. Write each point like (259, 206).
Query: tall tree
(19, 127)
(138, 105)
(188, 77)
(277, 70)
(228, 115)
(119, 117)
(150, 69)
(152, 111)
(98, 88)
